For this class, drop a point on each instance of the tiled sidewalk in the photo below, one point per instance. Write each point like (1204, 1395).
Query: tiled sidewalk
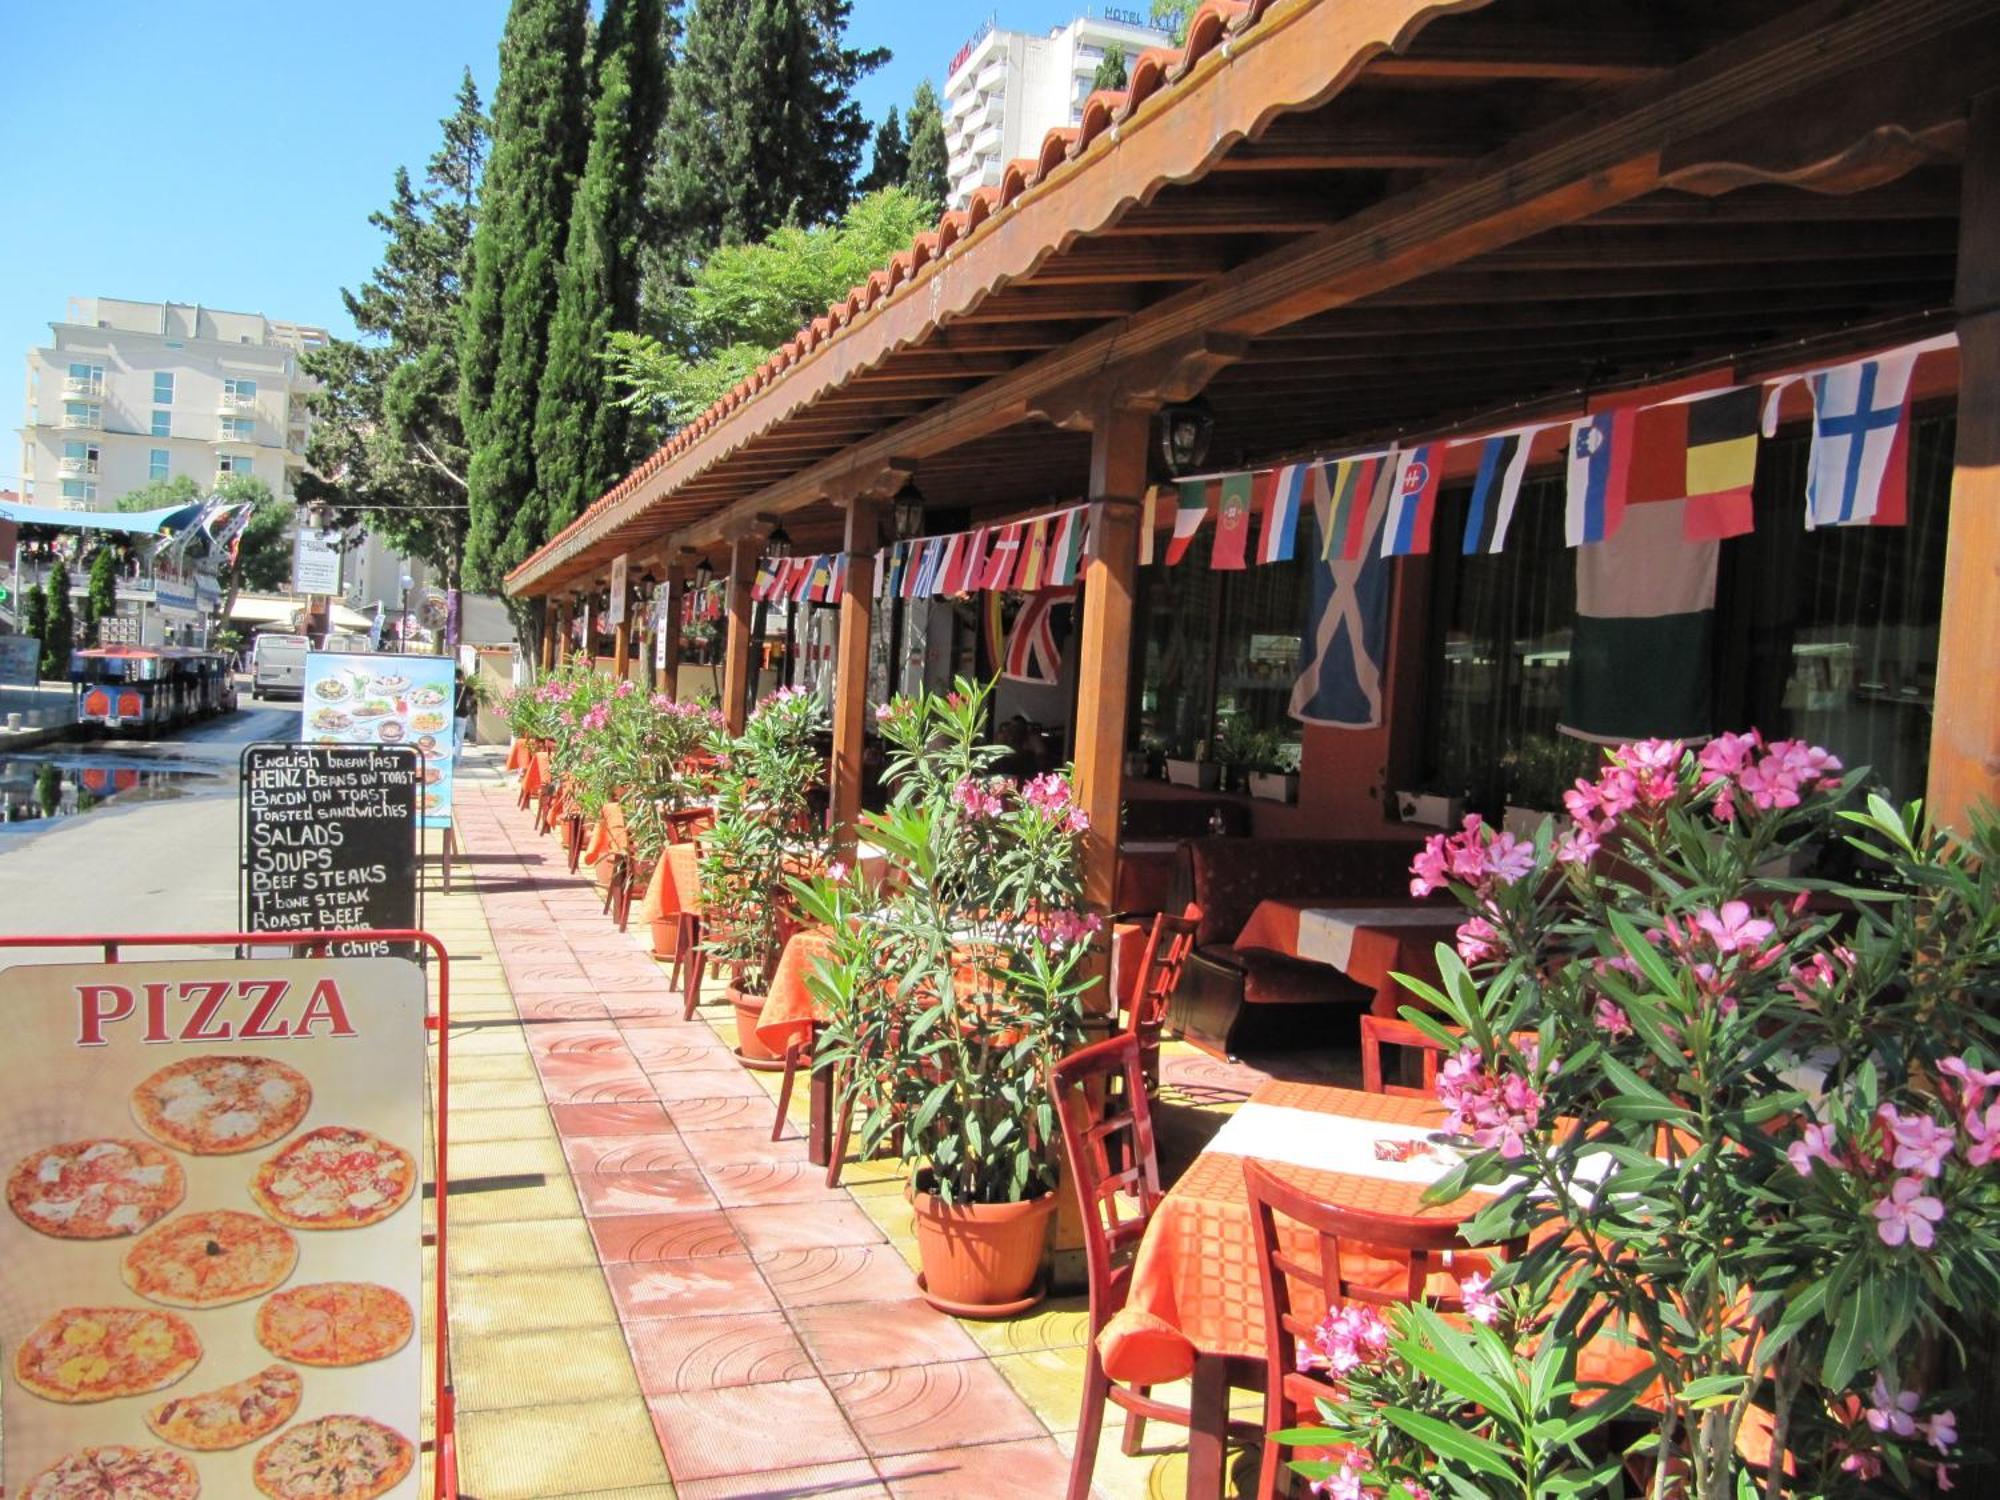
(649, 1297)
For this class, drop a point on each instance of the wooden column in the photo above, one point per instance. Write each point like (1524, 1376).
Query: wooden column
(850, 667)
(562, 613)
(677, 579)
(621, 643)
(736, 663)
(550, 624)
(1118, 444)
(1965, 728)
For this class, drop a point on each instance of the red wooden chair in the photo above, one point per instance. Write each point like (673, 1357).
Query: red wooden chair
(1378, 1031)
(1167, 950)
(1117, 1202)
(1290, 1393)
(685, 826)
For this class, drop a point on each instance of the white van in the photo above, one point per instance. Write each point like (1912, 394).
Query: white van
(278, 666)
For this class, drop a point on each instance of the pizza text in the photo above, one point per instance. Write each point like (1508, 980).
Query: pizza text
(220, 1010)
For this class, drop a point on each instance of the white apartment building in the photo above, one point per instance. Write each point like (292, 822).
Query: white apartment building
(1007, 89)
(127, 392)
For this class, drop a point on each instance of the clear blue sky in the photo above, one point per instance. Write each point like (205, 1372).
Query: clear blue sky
(230, 154)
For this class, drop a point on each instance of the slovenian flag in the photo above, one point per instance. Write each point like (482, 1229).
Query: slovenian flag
(1350, 485)
(1284, 496)
(1600, 462)
(1191, 505)
(1496, 487)
(1230, 552)
(1413, 501)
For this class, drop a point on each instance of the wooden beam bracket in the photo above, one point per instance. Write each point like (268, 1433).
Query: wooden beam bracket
(1178, 372)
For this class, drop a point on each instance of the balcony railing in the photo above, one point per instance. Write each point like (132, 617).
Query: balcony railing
(83, 386)
(90, 421)
(72, 468)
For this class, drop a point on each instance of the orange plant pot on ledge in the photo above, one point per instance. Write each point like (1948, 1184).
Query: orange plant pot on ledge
(981, 1260)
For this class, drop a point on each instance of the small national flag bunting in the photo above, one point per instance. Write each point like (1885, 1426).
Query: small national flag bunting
(1721, 464)
(1503, 459)
(1191, 504)
(1065, 548)
(1284, 498)
(1029, 576)
(1600, 461)
(1003, 551)
(1413, 501)
(1350, 486)
(1232, 524)
(1858, 471)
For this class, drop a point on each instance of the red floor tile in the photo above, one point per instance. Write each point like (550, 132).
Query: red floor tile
(845, 1337)
(712, 1352)
(750, 1143)
(1035, 1466)
(672, 1236)
(923, 1408)
(665, 1152)
(615, 1089)
(837, 1273)
(721, 1114)
(656, 1049)
(711, 1433)
(742, 1184)
(714, 1284)
(849, 1481)
(804, 1226)
(583, 1040)
(706, 1083)
(560, 1008)
(611, 1119)
(606, 1193)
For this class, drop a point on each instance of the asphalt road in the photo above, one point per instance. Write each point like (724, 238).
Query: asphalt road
(159, 856)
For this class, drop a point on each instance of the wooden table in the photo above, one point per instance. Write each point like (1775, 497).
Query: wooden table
(1367, 940)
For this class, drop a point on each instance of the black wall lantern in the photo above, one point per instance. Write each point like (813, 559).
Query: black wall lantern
(704, 574)
(779, 544)
(1185, 430)
(908, 515)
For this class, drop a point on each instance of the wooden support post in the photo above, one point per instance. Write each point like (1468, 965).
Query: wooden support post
(1119, 439)
(621, 646)
(850, 667)
(1965, 728)
(551, 625)
(737, 666)
(677, 583)
(562, 634)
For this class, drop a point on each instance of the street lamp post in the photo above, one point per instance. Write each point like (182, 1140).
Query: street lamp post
(403, 633)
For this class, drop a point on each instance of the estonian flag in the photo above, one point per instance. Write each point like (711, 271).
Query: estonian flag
(1721, 464)
(1191, 504)
(1284, 497)
(1413, 501)
(1349, 485)
(1231, 549)
(1503, 460)
(1600, 460)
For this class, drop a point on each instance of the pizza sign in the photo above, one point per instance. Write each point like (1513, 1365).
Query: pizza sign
(212, 1237)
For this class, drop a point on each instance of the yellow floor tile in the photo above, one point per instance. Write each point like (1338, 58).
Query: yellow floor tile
(551, 1198)
(486, 1159)
(529, 1301)
(522, 1124)
(534, 1452)
(542, 1367)
(1050, 1381)
(476, 1249)
(509, 1094)
(1060, 1323)
(489, 1067)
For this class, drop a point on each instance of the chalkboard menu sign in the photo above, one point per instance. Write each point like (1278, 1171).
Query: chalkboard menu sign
(329, 840)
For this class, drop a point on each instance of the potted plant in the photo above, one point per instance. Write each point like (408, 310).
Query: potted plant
(1535, 774)
(1782, 1181)
(1196, 771)
(951, 990)
(675, 771)
(1241, 747)
(1274, 768)
(763, 833)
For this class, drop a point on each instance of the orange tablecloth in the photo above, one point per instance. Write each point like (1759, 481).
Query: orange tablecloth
(599, 844)
(675, 886)
(789, 1009)
(1377, 952)
(520, 755)
(535, 775)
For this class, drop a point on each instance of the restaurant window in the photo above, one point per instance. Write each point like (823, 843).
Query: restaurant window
(1220, 650)
(1828, 635)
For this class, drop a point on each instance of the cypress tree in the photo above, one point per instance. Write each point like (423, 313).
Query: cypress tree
(35, 617)
(890, 162)
(537, 150)
(61, 628)
(581, 431)
(101, 601)
(928, 176)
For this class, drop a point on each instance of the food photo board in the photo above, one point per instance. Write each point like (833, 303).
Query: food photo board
(213, 1230)
(357, 698)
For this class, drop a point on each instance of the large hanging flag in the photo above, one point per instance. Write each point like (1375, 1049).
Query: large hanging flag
(1858, 471)
(1640, 657)
(1350, 486)
(1413, 500)
(1347, 629)
(1034, 560)
(1230, 551)
(1033, 654)
(1721, 464)
(1002, 555)
(1192, 499)
(1065, 548)
(1496, 487)
(1283, 498)
(1600, 460)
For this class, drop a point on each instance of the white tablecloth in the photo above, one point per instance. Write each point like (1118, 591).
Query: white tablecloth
(1326, 934)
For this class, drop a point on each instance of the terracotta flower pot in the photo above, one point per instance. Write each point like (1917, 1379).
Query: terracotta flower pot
(750, 1050)
(981, 1260)
(665, 934)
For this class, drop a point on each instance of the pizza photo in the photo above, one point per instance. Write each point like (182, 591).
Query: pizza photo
(116, 1472)
(210, 1259)
(355, 1458)
(335, 1177)
(97, 1189)
(335, 1323)
(232, 1415)
(217, 1105)
(100, 1353)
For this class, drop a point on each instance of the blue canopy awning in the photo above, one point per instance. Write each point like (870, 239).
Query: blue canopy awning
(138, 522)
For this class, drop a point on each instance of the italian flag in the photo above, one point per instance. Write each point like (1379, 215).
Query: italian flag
(1193, 501)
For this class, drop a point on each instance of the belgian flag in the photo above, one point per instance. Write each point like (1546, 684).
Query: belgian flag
(1721, 464)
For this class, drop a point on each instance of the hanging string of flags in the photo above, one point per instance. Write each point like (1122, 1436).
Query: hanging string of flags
(1021, 557)
(1699, 448)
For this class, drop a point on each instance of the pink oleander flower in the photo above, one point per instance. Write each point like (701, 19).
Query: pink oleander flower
(884, 712)
(1482, 1303)
(1908, 1213)
(1429, 871)
(1944, 1479)
(1816, 1145)
(1414, 1491)
(1610, 1018)
(1348, 1337)
(1498, 1113)
(1062, 929)
(837, 871)
(1655, 767)
(1983, 1128)
(626, 688)
(1509, 859)
(1733, 929)
(1479, 941)
(1816, 978)
(1579, 846)
(1891, 1410)
(975, 801)
(1972, 1080)
(1861, 1464)
(1918, 1143)
(1940, 1430)
(1473, 856)
(1344, 1484)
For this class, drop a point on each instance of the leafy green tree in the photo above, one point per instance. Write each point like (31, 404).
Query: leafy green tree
(35, 614)
(1171, 16)
(59, 634)
(388, 445)
(929, 177)
(1110, 72)
(889, 163)
(747, 299)
(524, 204)
(158, 494)
(582, 436)
(262, 560)
(100, 601)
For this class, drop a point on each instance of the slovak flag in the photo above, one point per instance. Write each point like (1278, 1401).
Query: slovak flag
(1284, 496)
(1413, 501)
(1600, 463)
